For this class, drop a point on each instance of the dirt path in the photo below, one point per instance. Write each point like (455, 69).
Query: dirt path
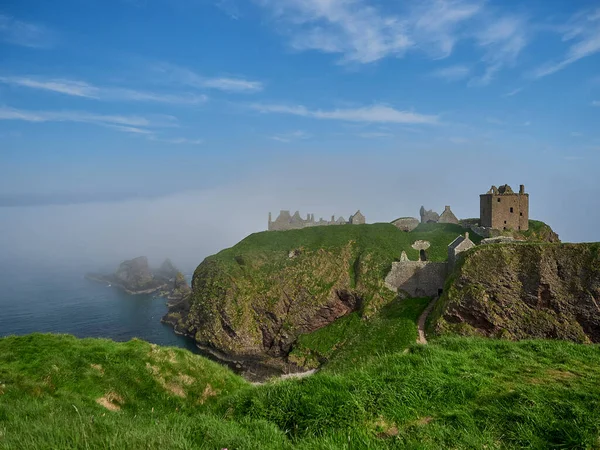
(421, 324)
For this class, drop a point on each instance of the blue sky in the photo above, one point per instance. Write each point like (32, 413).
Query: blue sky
(427, 100)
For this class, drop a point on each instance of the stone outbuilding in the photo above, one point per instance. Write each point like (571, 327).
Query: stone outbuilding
(456, 247)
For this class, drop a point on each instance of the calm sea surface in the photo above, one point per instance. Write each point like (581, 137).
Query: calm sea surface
(58, 299)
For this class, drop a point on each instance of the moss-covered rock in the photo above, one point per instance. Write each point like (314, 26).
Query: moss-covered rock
(518, 291)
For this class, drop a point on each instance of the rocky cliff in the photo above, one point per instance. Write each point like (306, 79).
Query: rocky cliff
(518, 291)
(256, 298)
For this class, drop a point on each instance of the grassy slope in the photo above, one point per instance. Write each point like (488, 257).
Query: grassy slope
(373, 393)
(350, 341)
(257, 274)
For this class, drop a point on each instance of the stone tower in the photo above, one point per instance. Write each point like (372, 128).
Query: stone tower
(502, 209)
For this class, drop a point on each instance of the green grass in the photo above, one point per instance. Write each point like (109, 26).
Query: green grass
(453, 393)
(384, 239)
(350, 340)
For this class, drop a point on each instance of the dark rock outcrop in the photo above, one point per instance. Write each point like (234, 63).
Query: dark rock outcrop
(519, 291)
(135, 276)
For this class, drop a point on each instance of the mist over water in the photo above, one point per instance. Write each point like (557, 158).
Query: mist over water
(45, 250)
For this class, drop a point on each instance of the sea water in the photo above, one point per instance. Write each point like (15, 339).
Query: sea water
(56, 298)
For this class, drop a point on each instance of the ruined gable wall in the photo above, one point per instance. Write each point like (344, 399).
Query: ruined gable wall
(417, 278)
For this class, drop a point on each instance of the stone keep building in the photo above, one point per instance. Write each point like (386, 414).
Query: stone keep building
(287, 221)
(502, 209)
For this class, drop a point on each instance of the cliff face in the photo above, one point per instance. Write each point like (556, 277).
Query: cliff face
(518, 291)
(256, 298)
(260, 308)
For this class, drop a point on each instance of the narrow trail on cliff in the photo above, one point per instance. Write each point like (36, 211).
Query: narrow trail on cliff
(421, 339)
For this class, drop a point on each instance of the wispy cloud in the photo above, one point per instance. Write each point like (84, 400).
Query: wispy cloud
(452, 73)
(375, 135)
(352, 28)
(502, 41)
(372, 114)
(229, 7)
(82, 89)
(513, 92)
(25, 34)
(437, 25)
(596, 103)
(289, 137)
(177, 141)
(576, 134)
(68, 87)
(364, 32)
(133, 130)
(187, 77)
(132, 124)
(584, 32)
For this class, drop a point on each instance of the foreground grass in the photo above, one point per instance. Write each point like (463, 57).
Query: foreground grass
(62, 392)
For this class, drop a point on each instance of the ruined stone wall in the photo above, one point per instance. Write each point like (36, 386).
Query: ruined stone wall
(286, 221)
(417, 278)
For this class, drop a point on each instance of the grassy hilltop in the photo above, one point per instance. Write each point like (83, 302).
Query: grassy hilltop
(258, 296)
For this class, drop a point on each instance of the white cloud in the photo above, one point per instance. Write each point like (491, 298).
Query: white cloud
(187, 77)
(513, 92)
(436, 24)
(289, 137)
(350, 27)
(177, 141)
(501, 40)
(584, 31)
(229, 7)
(576, 134)
(596, 103)
(123, 123)
(452, 73)
(375, 135)
(25, 34)
(68, 87)
(373, 114)
(82, 89)
(133, 130)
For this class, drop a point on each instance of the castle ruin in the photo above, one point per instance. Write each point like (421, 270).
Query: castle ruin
(502, 209)
(425, 278)
(429, 216)
(286, 221)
